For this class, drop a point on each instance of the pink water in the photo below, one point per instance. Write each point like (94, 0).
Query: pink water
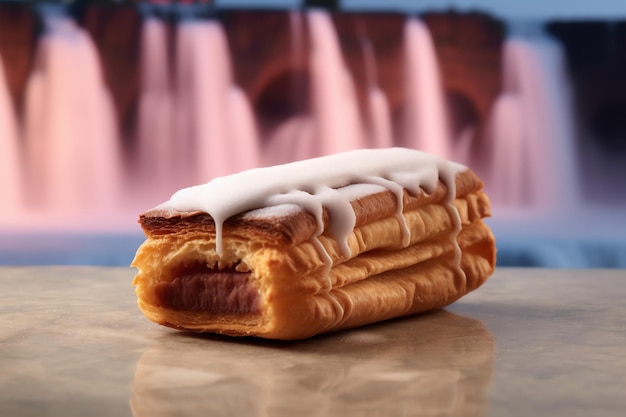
(531, 133)
(378, 126)
(195, 123)
(154, 148)
(335, 123)
(214, 117)
(338, 125)
(71, 144)
(426, 122)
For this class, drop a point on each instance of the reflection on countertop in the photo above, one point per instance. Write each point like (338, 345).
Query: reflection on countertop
(436, 364)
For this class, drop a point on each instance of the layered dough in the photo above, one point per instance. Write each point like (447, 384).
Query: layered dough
(277, 277)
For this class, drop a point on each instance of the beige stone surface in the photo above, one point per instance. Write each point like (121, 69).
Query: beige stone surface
(529, 342)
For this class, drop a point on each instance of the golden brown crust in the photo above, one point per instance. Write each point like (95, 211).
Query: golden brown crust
(381, 278)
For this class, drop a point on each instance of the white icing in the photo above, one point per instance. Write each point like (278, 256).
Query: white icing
(351, 192)
(312, 184)
(281, 210)
(355, 191)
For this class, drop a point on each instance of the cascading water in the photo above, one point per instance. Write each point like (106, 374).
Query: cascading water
(540, 215)
(215, 130)
(337, 118)
(426, 124)
(334, 124)
(379, 126)
(194, 122)
(154, 149)
(506, 182)
(531, 132)
(72, 156)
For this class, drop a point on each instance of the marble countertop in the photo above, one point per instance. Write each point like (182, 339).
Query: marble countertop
(529, 342)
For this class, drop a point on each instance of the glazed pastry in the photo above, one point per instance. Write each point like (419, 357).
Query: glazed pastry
(295, 250)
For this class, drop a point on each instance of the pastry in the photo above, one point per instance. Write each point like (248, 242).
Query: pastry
(295, 250)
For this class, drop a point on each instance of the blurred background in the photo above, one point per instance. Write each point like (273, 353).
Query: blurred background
(108, 107)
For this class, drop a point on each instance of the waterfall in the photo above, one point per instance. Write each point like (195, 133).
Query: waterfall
(215, 132)
(531, 128)
(10, 166)
(336, 112)
(244, 149)
(380, 131)
(194, 122)
(62, 164)
(72, 152)
(155, 146)
(334, 123)
(426, 121)
(506, 179)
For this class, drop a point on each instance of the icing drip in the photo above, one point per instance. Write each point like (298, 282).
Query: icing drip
(312, 184)
(398, 191)
(448, 178)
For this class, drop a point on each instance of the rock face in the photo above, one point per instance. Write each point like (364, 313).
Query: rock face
(17, 44)
(597, 64)
(116, 32)
(272, 65)
(469, 48)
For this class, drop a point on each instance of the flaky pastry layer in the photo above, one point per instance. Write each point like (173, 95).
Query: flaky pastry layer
(275, 282)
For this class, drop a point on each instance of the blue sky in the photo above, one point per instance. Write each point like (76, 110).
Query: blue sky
(510, 9)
